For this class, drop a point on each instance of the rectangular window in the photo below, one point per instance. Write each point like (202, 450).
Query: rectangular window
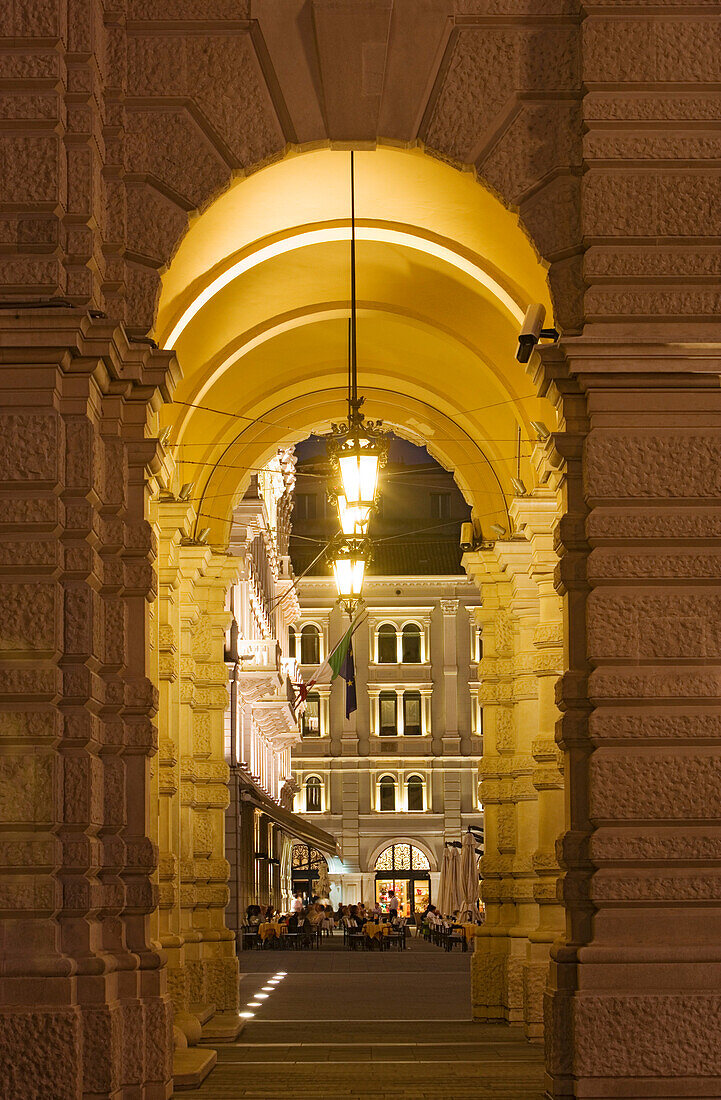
(388, 707)
(311, 717)
(440, 505)
(412, 714)
(306, 505)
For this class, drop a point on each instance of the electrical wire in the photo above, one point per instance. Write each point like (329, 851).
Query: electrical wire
(312, 393)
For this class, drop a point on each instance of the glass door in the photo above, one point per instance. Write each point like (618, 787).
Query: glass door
(421, 895)
(399, 887)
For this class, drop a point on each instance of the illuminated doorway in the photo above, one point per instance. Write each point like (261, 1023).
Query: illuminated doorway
(306, 864)
(404, 869)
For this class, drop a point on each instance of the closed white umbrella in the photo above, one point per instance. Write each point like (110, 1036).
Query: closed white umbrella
(444, 882)
(456, 889)
(469, 874)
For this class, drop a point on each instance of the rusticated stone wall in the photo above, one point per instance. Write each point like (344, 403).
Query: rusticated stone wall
(637, 973)
(84, 1006)
(126, 116)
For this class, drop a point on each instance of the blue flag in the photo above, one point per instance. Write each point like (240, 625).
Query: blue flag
(347, 671)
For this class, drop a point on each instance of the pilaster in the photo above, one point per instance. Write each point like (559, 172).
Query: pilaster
(635, 984)
(520, 625)
(76, 715)
(535, 518)
(210, 962)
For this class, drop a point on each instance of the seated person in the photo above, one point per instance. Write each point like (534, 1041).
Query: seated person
(253, 916)
(316, 913)
(355, 918)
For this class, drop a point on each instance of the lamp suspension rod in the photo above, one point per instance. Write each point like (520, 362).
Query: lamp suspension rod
(353, 403)
(350, 356)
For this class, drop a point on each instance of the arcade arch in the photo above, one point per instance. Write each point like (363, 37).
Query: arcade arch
(255, 306)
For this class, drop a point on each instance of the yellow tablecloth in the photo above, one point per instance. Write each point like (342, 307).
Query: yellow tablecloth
(373, 931)
(470, 931)
(266, 931)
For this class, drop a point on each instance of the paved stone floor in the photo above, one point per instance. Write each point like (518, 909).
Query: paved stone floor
(357, 1025)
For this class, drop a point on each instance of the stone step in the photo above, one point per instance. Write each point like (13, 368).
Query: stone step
(224, 1027)
(191, 1065)
(203, 1012)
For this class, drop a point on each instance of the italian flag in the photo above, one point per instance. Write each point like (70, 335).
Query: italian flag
(336, 659)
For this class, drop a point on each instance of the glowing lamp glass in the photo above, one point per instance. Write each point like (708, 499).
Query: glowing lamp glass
(359, 466)
(353, 518)
(349, 573)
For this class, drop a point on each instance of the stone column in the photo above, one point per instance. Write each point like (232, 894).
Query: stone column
(521, 823)
(535, 517)
(636, 982)
(84, 1005)
(172, 520)
(496, 973)
(210, 959)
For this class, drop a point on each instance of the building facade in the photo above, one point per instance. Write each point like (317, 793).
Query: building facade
(263, 715)
(403, 769)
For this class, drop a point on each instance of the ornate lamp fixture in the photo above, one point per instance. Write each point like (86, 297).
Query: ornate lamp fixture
(358, 448)
(349, 558)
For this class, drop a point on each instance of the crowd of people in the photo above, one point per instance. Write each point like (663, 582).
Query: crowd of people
(317, 915)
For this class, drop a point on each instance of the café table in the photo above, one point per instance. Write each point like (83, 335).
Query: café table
(271, 930)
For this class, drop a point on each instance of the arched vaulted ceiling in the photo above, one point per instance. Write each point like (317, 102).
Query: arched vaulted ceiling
(256, 303)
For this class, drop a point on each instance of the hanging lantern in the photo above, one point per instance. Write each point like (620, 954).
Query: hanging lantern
(349, 558)
(357, 459)
(358, 448)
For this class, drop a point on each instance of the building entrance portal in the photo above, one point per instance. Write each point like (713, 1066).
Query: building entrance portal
(307, 864)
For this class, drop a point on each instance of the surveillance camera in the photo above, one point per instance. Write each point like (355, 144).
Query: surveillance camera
(530, 331)
(466, 536)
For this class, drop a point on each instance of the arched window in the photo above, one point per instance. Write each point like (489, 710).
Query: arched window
(305, 858)
(412, 724)
(414, 793)
(388, 713)
(411, 645)
(310, 722)
(313, 795)
(387, 793)
(402, 857)
(310, 645)
(387, 648)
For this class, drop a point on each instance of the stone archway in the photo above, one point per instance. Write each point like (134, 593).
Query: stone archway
(255, 306)
(123, 123)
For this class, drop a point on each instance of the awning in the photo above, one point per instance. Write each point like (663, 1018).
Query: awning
(296, 826)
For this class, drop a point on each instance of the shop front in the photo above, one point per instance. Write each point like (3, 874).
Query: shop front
(405, 870)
